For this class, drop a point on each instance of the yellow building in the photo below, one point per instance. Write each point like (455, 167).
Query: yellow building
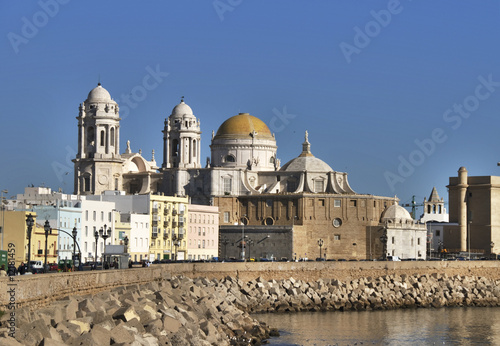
(38, 244)
(168, 225)
(15, 238)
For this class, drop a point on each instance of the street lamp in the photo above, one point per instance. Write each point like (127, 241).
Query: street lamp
(243, 237)
(249, 242)
(105, 233)
(96, 236)
(29, 222)
(74, 233)
(320, 243)
(224, 242)
(383, 239)
(48, 231)
(125, 241)
(3, 215)
(175, 243)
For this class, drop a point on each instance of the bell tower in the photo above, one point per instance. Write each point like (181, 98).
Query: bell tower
(98, 161)
(181, 139)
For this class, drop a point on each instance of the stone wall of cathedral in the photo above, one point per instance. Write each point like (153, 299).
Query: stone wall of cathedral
(347, 224)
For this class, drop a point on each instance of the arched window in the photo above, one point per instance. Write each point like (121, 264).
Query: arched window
(175, 147)
(102, 138)
(194, 147)
(112, 135)
(230, 158)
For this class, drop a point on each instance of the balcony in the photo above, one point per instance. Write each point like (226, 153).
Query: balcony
(165, 223)
(166, 211)
(174, 224)
(155, 210)
(154, 235)
(156, 218)
(181, 233)
(165, 235)
(174, 212)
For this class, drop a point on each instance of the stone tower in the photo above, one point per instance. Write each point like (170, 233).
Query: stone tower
(98, 162)
(181, 139)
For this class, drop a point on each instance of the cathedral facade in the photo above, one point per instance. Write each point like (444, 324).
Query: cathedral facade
(302, 209)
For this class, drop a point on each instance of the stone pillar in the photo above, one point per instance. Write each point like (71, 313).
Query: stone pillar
(462, 207)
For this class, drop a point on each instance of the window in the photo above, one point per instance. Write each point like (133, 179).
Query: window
(321, 202)
(269, 202)
(86, 183)
(226, 217)
(203, 231)
(438, 233)
(86, 215)
(112, 137)
(230, 158)
(203, 243)
(291, 186)
(94, 215)
(353, 203)
(102, 216)
(336, 237)
(199, 244)
(418, 241)
(109, 216)
(319, 186)
(392, 240)
(86, 231)
(199, 230)
(102, 138)
(337, 203)
(227, 185)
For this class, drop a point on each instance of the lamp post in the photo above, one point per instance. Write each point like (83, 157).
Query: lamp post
(105, 233)
(175, 242)
(125, 241)
(224, 242)
(243, 237)
(383, 240)
(74, 233)
(48, 231)
(249, 242)
(320, 243)
(29, 222)
(3, 215)
(96, 236)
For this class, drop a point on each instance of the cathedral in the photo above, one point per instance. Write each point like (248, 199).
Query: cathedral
(302, 209)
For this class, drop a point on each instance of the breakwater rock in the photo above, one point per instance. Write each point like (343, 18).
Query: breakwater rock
(175, 311)
(179, 310)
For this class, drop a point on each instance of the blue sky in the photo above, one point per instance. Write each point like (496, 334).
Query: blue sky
(397, 94)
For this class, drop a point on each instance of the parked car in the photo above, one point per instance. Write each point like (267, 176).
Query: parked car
(53, 266)
(36, 267)
(393, 258)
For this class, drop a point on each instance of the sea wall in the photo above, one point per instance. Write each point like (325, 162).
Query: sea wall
(38, 290)
(181, 310)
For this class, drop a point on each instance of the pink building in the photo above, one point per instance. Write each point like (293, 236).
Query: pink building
(203, 232)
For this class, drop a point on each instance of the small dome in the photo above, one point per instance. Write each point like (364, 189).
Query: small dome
(396, 213)
(99, 94)
(243, 125)
(181, 110)
(306, 163)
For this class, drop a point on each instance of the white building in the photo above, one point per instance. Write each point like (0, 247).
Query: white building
(96, 215)
(405, 237)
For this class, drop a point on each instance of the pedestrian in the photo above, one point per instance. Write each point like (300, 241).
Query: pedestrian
(130, 263)
(22, 269)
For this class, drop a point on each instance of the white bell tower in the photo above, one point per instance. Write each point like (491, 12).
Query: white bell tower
(181, 139)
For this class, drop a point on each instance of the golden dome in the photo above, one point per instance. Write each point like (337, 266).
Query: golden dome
(243, 125)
